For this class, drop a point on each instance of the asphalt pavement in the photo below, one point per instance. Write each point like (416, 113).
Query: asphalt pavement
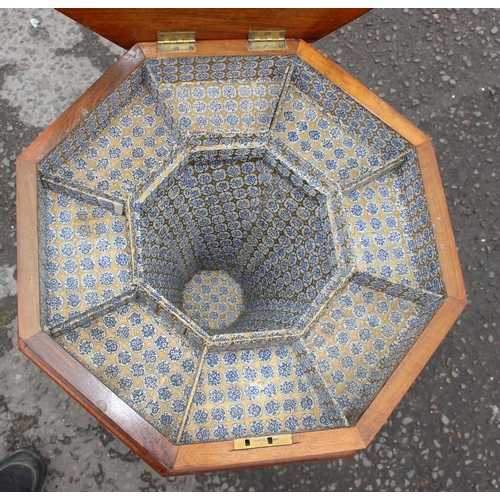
(441, 69)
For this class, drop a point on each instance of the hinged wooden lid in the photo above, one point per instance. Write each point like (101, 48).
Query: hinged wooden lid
(126, 27)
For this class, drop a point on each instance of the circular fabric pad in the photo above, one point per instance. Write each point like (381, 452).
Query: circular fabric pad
(213, 299)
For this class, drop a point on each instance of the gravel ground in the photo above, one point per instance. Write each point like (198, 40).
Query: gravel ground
(439, 68)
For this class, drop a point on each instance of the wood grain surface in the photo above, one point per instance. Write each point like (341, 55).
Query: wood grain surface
(443, 230)
(28, 274)
(126, 27)
(307, 446)
(217, 48)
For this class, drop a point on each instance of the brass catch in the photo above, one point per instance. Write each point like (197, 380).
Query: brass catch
(266, 40)
(176, 41)
(262, 441)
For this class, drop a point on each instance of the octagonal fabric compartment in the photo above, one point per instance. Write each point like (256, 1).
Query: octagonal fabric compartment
(236, 247)
(241, 216)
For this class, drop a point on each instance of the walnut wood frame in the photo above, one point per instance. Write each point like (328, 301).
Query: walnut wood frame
(165, 457)
(126, 27)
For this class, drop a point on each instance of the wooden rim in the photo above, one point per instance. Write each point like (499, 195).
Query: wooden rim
(28, 293)
(217, 47)
(124, 422)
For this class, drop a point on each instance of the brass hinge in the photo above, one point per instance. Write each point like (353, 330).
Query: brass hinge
(262, 441)
(266, 40)
(176, 41)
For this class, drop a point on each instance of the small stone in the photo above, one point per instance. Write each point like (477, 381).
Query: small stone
(146, 476)
(475, 11)
(410, 473)
(494, 30)
(445, 78)
(395, 27)
(99, 477)
(445, 419)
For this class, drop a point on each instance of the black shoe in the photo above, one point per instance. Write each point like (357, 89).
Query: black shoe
(22, 470)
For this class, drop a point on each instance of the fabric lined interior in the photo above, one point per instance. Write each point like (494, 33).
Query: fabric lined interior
(262, 254)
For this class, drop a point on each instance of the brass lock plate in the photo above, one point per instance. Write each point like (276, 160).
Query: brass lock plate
(262, 441)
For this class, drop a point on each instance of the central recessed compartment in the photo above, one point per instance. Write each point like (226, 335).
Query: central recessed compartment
(213, 299)
(240, 216)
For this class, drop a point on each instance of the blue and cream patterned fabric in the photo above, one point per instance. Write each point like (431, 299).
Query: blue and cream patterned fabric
(142, 356)
(218, 94)
(251, 393)
(247, 217)
(87, 255)
(236, 247)
(213, 299)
